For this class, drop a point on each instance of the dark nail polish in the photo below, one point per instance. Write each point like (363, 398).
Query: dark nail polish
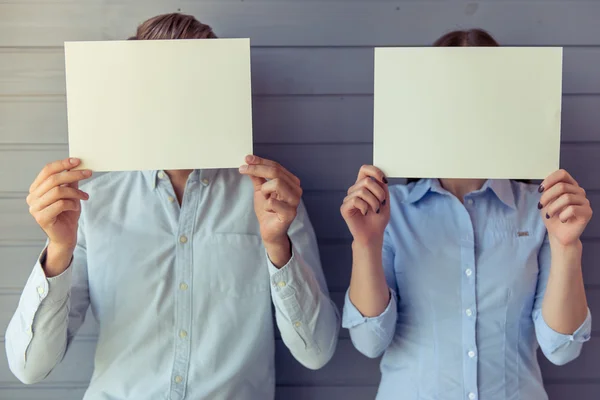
(383, 202)
(540, 206)
(379, 209)
(385, 180)
(547, 216)
(541, 188)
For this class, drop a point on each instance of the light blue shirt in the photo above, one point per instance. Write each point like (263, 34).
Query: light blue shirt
(467, 282)
(183, 295)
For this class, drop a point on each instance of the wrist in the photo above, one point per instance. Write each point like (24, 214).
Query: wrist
(57, 260)
(279, 251)
(372, 243)
(566, 254)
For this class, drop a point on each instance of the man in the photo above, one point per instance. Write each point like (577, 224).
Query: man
(179, 272)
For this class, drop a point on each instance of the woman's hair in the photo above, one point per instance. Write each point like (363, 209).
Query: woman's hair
(466, 38)
(173, 26)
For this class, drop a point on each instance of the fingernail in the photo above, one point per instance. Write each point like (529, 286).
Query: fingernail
(73, 161)
(86, 196)
(540, 206)
(373, 179)
(243, 168)
(541, 188)
(86, 173)
(379, 209)
(547, 216)
(383, 202)
(366, 212)
(385, 180)
(250, 158)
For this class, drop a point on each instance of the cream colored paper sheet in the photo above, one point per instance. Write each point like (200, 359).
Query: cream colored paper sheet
(172, 104)
(467, 112)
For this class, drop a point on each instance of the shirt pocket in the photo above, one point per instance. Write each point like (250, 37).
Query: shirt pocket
(236, 264)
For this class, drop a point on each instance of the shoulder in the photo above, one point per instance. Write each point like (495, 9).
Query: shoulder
(111, 180)
(526, 195)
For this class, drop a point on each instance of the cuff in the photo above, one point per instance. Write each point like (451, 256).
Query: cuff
(285, 278)
(352, 317)
(552, 340)
(50, 290)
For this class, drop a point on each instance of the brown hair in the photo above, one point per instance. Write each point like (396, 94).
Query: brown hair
(466, 38)
(173, 26)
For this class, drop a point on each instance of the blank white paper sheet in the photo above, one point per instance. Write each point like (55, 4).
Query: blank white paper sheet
(159, 104)
(467, 112)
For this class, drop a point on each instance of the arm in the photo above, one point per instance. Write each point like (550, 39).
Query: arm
(561, 316)
(370, 309)
(306, 317)
(50, 312)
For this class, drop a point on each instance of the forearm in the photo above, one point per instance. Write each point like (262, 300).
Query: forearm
(565, 305)
(36, 338)
(369, 291)
(306, 317)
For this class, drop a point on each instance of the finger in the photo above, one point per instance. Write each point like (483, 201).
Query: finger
(370, 170)
(574, 212)
(268, 172)
(285, 212)
(255, 160)
(375, 187)
(353, 204)
(257, 182)
(366, 195)
(55, 194)
(54, 168)
(49, 214)
(282, 191)
(558, 176)
(557, 190)
(564, 201)
(64, 178)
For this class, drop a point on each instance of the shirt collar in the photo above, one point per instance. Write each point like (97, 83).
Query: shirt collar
(204, 176)
(502, 188)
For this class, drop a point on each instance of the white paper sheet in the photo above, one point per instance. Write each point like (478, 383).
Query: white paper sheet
(467, 112)
(159, 104)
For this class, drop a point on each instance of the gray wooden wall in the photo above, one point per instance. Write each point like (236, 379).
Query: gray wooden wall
(312, 67)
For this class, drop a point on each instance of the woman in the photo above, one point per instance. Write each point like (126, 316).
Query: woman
(458, 281)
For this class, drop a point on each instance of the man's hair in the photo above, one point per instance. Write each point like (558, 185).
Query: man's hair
(173, 26)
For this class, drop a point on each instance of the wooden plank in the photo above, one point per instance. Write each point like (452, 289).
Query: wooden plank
(332, 23)
(279, 119)
(275, 71)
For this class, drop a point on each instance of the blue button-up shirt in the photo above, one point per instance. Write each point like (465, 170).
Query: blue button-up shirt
(467, 281)
(183, 295)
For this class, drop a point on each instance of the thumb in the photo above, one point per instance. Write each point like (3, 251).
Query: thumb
(257, 182)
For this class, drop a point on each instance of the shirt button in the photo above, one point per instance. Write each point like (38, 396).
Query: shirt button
(183, 239)
(161, 175)
(468, 272)
(183, 286)
(182, 334)
(469, 312)
(471, 354)
(281, 284)
(472, 396)
(40, 290)
(171, 199)
(205, 181)
(178, 379)
(298, 324)
(470, 202)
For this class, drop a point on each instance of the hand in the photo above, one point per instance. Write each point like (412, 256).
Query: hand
(565, 208)
(277, 194)
(54, 201)
(366, 208)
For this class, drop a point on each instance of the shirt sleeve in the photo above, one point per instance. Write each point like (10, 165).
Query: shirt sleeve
(306, 317)
(49, 313)
(557, 347)
(372, 336)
